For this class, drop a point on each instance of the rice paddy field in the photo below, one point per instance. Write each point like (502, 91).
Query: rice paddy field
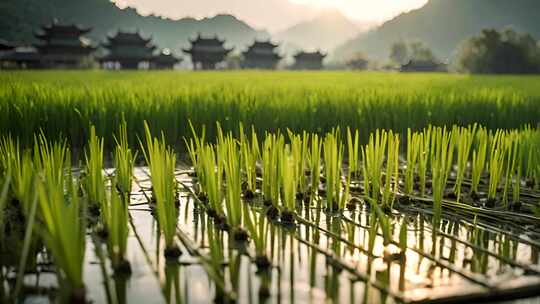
(259, 187)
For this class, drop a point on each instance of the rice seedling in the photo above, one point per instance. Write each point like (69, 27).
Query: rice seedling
(496, 166)
(336, 197)
(6, 179)
(413, 154)
(299, 149)
(314, 157)
(29, 244)
(464, 138)
(479, 156)
(353, 162)
(230, 156)
(51, 159)
(194, 146)
(63, 227)
(441, 159)
(19, 187)
(353, 149)
(288, 186)
(258, 228)
(391, 179)
(212, 184)
(93, 180)
(373, 155)
(530, 147)
(124, 158)
(423, 159)
(116, 216)
(162, 162)
(250, 155)
(19, 164)
(272, 151)
(512, 169)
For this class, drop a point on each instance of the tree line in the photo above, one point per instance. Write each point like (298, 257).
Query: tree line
(493, 51)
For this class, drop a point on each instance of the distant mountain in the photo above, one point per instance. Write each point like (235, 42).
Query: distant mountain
(19, 18)
(444, 24)
(325, 32)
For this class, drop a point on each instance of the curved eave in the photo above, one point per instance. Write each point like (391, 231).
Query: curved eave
(40, 35)
(264, 44)
(200, 39)
(168, 60)
(262, 56)
(221, 52)
(120, 37)
(82, 46)
(110, 58)
(74, 28)
(310, 56)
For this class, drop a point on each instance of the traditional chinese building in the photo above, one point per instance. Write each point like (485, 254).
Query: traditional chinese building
(423, 66)
(165, 60)
(308, 61)
(20, 58)
(261, 55)
(207, 53)
(5, 46)
(128, 50)
(63, 45)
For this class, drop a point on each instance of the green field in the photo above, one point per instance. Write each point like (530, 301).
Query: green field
(362, 202)
(66, 102)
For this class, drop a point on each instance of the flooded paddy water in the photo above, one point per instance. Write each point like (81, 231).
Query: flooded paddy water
(283, 224)
(324, 257)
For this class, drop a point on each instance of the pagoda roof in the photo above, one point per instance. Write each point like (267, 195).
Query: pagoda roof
(208, 49)
(128, 38)
(166, 57)
(80, 42)
(22, 54)
(56, 27)
(318, 55)
(254, 53)
(207, 41)
(6, 46)
(423, 65)
(66, 48)
(263, 44)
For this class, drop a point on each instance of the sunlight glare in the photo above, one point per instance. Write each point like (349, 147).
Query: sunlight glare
(321, 3)
(367, 10)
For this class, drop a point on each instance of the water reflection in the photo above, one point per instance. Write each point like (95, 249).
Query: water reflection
(334, 258)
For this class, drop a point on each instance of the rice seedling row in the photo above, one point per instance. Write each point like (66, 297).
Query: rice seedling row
(286, 216)
(443, 169)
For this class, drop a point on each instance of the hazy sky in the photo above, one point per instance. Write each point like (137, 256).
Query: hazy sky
(275, 14)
